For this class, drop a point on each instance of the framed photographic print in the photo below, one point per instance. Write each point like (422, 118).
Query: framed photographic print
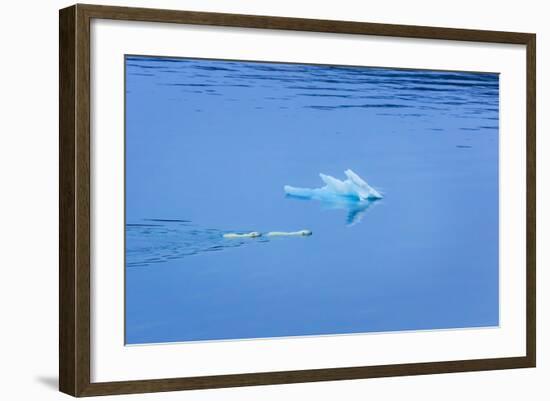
(250, 200)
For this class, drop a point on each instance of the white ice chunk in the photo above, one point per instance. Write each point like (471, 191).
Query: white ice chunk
(354, 187)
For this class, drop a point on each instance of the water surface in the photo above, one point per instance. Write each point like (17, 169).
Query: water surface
(210, 145)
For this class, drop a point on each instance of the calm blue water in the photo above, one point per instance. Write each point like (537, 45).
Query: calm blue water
(210, 145)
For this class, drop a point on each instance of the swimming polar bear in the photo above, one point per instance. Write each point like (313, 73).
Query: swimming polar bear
(289, 234)
(255, 234)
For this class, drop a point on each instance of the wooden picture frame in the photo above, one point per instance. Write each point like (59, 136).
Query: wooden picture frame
(74, 200)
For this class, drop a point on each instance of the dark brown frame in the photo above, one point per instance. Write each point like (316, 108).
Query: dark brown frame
(74, 199)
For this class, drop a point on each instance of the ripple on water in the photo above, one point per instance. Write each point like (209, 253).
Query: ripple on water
(169, 239)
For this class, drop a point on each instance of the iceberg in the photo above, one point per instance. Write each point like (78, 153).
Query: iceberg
(353, 188)
(353, 194)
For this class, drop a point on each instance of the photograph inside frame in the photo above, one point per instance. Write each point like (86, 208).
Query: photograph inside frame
(269, 200)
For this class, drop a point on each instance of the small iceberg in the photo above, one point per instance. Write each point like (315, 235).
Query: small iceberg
(353, 188)
(352, 194)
